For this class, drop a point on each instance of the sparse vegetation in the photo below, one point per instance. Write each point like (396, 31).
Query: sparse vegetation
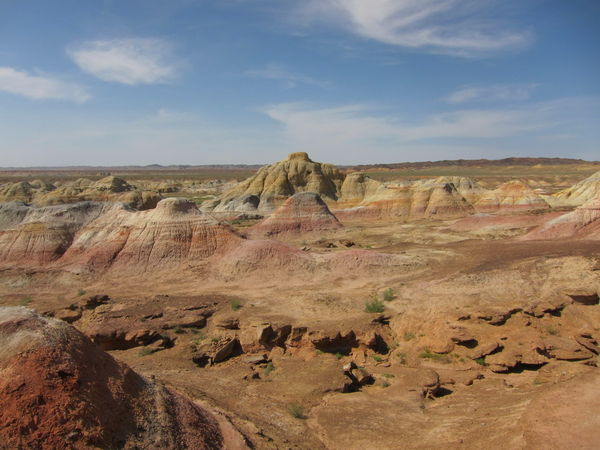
(319, 352)
(388, 375)
(296, 410)
(377, 358)
(214, 339)
(427, 354)
(408, 336)
(551, 330)
(401, 357)
(269, 368)
(388, 295)
(81, 292)
(25, 301)
(374, 306)
(235, 304)
(481, 361)
(145, 351)
(338, 355)
(385, 384)
(178, 330)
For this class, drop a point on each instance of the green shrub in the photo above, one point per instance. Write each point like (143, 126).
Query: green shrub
(297, 411)
(481, 361)
(401, 357)
(338, 355)
(385, 384)
(389, 375)
(235, 304)
(178, 330)
(374, 306)
(388, 295)
(408, 336)
(80, 292)
(269, 368)
(25, 301)
(145, 351)
(426, 354)
(377, 358)
(319, 352)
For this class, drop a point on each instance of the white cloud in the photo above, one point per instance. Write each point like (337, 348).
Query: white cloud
(455, 27)
(355, 126)
(40, 87)
(127, 61)
(277, 72)
(503, 92)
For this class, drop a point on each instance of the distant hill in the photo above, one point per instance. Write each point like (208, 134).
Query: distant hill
(513, 161)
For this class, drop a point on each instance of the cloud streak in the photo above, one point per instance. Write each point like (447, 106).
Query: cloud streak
(40, 87)
(497, 92)
(278, 72)
(356, 126)
(126, 61)
(453, 27)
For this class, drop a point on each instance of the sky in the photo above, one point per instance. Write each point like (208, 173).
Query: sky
(119, 82)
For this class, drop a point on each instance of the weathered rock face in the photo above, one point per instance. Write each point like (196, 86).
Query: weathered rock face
(512, 196)
(582, 223)
(96, 236)
(580, 193)
(274, 183)
(108, 189)
(58, 390)
(301, 213)
(443, 197)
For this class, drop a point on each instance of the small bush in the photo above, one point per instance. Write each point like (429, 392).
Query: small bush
(178, 330)
(374, 306)
(338, 355)
(319, 352)
(377, 358)
(269, 368)
(401, 357)
(481, 361)
(25, 301)
(385, 384)
(426, 354)
(388, 295)
(80, 292)
(408, 336)
(551, 331)
(389, 375)
(235, 304)
(297, 411)
(214, 339)
(144, 351)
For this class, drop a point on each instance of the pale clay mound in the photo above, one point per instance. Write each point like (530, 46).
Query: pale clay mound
(580, 193)
(95, 236)
(58, 390)
(273, 184)
(356, 196)
(582, 223)
(301, 213)
(108, 189)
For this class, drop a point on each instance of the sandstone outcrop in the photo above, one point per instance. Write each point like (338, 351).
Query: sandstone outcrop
(58, 390)
(274, 183)
(512, 196)
(96, 236)
(580, 193)
(582, 223)
(108, 189)
(303, 212)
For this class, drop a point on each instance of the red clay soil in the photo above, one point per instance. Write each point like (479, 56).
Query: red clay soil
(59, 390)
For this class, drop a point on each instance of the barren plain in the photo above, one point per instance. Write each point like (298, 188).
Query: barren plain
(302, 305)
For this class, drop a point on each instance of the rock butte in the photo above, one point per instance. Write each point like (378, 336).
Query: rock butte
(59, 390)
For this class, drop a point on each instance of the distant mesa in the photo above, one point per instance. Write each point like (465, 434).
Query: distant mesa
(59, 390)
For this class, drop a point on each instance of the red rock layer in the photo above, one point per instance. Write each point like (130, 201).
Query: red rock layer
(59, 390)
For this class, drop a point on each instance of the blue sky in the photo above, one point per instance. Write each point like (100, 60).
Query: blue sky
(247, 81)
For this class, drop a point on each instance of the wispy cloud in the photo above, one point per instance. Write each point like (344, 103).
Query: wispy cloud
(127, 61)
(497, 92)
(40, 87)
(355, 126)
(290, 79)
(455, 27)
